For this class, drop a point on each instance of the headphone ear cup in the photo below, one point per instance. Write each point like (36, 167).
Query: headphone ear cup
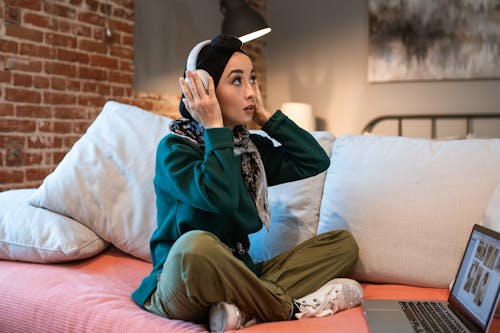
(204, 77)
(203, 74)
(191, 63)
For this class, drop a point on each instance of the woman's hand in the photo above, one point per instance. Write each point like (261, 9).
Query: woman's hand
(202, 104)
(261, 115)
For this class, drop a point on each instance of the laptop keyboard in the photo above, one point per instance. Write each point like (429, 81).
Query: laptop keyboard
(430, 317)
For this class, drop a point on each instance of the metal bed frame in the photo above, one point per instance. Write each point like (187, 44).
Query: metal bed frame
(467, 117)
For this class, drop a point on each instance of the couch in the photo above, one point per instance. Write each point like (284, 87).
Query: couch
(74, 249)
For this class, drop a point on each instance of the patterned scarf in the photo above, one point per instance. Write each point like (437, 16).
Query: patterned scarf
(252, 168)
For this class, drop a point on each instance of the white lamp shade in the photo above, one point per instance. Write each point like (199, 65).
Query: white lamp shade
(301, 113)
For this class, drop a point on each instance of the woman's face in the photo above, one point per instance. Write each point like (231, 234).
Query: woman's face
(236, 91)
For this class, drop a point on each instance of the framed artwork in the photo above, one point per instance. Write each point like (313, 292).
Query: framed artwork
(433, 40)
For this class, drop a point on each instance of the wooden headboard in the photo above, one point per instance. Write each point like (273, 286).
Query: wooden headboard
(468, 119)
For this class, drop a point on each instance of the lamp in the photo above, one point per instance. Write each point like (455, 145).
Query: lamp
(301, 113)
(242, 21)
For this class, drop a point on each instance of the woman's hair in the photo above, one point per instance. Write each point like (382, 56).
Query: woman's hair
(213, 58)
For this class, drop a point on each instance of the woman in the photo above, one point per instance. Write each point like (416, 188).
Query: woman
(211, 186)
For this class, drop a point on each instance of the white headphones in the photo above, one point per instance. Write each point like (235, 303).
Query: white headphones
(191, 63)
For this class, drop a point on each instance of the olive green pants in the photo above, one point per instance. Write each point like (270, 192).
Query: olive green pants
(201, 270)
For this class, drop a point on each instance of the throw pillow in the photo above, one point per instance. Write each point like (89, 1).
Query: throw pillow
(410, 203)
(294, 210)
(33, 234)
(491, 218)
(106, 180)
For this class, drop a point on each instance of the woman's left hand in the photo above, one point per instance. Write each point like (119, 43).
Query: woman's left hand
(261, 115)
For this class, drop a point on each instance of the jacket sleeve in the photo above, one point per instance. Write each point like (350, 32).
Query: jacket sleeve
(299, 156)
(205, 178)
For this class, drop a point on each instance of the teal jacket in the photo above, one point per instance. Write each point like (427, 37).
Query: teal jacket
(202, 188)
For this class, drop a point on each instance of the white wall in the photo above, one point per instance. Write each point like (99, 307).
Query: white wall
(318, 52)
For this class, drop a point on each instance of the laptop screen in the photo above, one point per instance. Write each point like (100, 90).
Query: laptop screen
(477, 284)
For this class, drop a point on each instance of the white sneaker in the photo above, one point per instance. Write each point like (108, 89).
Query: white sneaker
(336, 295)
(225, 316)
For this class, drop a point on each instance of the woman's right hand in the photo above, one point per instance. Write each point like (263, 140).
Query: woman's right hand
(202, 104)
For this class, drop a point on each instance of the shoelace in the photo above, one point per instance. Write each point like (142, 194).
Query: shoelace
(332, 303)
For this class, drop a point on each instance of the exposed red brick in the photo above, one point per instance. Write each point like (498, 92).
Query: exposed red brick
(39, 51)
(144, 104)
(91, 101)
(72, 56)
(45, 126)
(33, 111)
(60, 69)
(70, 113)
(60, 40)
(123, 14)
(91, 18)
(73, 85)
(14, 155)
(22, 95)
(12, 14)
(105, 9)
(91, 73)
(23, 33)
(128, 40)
(99, 35)
(127, 66)
(118, 92)
(40, 82)
(58, 98)
(37, 174)
(70, 141)
(103, 89)
(6, 109)
(11, 176)
(119, 77)
(128, 4)
(80, 126)
(89, 87)
(16, 125)
(22, 80)
(32, 158)
(103, 61)
(57, 157)
(121, 26)
(58, 83)
(9, 46)
(74, 29)
(29, 4)
(5, 76)
(62, 127)
(24, 65)
(91, 46)
(52, 8)
(42, 21)
(38, 142)
(92, 5)
(122, 52)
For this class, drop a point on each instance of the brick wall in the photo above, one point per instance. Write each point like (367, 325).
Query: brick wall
(57, 69)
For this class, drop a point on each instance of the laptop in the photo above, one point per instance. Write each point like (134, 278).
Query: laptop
(472, 303)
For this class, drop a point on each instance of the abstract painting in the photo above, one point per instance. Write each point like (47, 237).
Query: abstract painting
(433, 40)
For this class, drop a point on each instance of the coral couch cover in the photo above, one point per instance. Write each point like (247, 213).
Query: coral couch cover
(93, 296)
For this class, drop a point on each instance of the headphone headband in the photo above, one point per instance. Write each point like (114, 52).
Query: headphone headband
(193, 55)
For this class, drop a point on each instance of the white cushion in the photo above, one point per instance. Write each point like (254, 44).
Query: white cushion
(294, 211)
(491, 218)
(410, 203)
(33, 234)
(106, 179)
